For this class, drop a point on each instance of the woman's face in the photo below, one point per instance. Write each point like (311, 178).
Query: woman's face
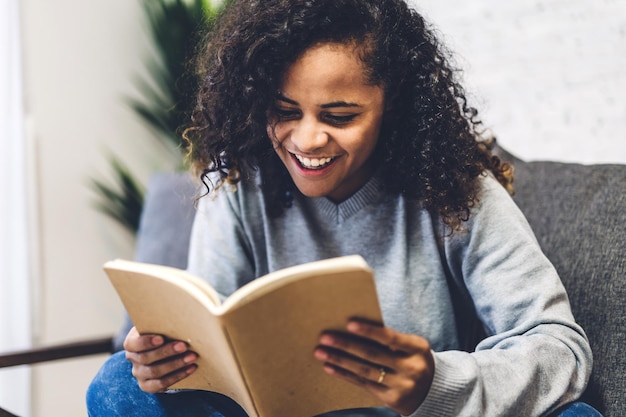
(326, 122)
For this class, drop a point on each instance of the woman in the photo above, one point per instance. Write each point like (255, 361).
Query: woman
(332, 127)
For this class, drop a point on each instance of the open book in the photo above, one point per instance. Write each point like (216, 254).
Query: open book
(257, 346)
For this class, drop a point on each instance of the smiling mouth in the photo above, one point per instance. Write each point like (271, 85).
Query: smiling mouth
(313, 163)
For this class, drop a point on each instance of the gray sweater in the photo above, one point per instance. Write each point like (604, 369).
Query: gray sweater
(490, 279)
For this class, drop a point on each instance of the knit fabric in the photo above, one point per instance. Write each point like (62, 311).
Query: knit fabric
(492, 277)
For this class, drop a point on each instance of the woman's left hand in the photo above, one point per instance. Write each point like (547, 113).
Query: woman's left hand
(397, 368)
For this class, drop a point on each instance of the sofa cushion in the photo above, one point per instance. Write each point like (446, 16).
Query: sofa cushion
(578, 213)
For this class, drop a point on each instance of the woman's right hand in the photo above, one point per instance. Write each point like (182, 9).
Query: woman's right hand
(157, 363)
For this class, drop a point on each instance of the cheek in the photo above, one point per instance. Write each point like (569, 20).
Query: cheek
(274, 133)
(271, 131)
(365, 142)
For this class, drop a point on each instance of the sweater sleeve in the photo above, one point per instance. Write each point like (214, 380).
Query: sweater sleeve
(535, 357)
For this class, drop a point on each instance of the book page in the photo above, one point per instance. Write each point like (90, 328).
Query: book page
(270, 282)
(162, 300)
(275, 335)
(170, 273)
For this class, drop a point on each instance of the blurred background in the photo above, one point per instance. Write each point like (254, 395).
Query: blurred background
(548, 77)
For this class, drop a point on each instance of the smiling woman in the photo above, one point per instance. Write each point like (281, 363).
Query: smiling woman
(325, 128)
(14, 263)
(327, 121)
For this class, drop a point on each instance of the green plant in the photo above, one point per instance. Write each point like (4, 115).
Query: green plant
(175, 27)
(122, 201)
(166, 97)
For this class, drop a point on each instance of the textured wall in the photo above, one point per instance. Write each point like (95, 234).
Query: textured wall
(548, 76)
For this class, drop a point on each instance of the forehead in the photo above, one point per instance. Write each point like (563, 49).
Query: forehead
(327, 68)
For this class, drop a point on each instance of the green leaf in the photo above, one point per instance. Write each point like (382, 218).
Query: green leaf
(122, 200)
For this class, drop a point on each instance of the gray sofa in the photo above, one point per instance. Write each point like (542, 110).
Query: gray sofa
(577, 212)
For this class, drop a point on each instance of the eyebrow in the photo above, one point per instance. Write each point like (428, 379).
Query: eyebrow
(323, 106)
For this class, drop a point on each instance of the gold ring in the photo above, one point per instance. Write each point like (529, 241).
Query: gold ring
(381, 376)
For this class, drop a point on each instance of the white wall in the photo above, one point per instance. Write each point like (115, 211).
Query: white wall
(80, 58)
(549, 74)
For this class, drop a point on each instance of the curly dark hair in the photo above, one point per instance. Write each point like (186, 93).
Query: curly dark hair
(431, 146)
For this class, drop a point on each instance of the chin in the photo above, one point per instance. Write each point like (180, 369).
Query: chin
(312, 192)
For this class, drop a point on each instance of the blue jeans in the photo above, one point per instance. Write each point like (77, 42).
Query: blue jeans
(577, 410)
(115, 392)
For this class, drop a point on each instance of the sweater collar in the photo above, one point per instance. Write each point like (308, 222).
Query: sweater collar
(370, 193)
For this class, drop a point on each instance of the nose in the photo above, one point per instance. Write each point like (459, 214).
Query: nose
(309, 135)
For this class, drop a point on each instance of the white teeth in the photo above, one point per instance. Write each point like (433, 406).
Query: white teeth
(313, 162)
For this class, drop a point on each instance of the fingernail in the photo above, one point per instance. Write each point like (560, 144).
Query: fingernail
(180, 347)
(353, 326)
(157, 341)
(330, 370)
(327, 340)
(189, 358)
(320, 354)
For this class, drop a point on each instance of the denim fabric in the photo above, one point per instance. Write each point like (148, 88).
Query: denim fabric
(577, 410)
(115, 392)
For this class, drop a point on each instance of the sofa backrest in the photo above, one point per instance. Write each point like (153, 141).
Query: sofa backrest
(578, 213)
(166, 220)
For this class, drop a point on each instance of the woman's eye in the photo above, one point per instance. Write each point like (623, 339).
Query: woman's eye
(340, 119)
(286, 114)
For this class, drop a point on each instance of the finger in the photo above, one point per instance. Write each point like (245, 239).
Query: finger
(158, 370)
(135, 342)
(393, 340)
(161, 353)
(379, 390)
(345, 364)
(346, 375)
(392, 388)
(365, 350)
(163, 383)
